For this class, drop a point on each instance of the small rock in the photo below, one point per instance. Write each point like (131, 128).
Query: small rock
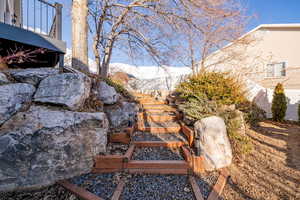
(68, 89)
(3, 79)
(33, 75)
(122, 115)
(186, 189)
(106, 93)
(12, 99)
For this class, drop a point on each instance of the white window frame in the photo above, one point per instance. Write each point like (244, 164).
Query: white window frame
(282, 73)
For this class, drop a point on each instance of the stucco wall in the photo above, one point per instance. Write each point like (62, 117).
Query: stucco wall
(269, 45)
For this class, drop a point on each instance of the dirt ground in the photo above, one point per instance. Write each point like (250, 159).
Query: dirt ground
(272, 170)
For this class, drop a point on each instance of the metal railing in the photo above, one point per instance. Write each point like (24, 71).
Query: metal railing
(38, 16)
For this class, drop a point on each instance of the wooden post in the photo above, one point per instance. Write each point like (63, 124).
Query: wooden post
(197, 164)
(58, 30)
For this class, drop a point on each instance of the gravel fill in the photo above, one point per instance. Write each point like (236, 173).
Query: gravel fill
(115, 149)
(102, 185)
(157, 153)
(146, 136)
(206, 182)
(157, 187)
(54, 192)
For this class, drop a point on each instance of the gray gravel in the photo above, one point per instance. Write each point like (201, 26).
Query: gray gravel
(102, 185)
(157, 187)
(146, 136)
(54, 192)
(206, 182)
(115, 149)
(157, 153)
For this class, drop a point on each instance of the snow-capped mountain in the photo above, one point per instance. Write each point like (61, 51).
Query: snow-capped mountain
(139, 72)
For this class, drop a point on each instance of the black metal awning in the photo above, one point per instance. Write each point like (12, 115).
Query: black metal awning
(20, 35)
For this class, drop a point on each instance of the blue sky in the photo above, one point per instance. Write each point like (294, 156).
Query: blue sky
(264, 12)
(272, 11)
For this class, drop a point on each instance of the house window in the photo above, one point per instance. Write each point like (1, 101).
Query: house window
(276, 70)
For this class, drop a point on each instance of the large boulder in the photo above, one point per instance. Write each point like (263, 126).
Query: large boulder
(13, 97)
(121, 115)
(68, 89)
(213, 142)
(43, 145)
(3, 79)
(106, 93)
(33, 75)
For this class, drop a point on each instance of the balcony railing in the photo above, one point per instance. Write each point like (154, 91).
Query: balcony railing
(38, 16)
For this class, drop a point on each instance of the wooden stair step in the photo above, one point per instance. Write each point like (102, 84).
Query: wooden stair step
(163, 108)
(158, 171)
(151, 102)
(157, 164)
(156, 106)
(160, 118)
(141, 95)
(171, 144)
(162, 124)
(160, 130)
(79, 191)
(159, 111)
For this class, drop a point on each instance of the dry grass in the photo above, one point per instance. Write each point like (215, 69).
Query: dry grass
(272, 170)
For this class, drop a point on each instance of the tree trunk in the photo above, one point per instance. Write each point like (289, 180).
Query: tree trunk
(80, 35)
(97, 55)
(107, 57)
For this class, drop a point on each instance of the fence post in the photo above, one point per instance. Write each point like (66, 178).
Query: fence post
(58, 30)
(58, 21)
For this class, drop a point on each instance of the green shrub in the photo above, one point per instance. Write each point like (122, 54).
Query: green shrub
(207, 94)
(198, 108)
(216, 86)
(253, 114)
(279, 103)
(241, 144)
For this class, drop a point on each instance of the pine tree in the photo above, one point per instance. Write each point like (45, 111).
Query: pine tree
(279, 103)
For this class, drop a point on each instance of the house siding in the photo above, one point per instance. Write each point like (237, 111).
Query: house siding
(271, 45)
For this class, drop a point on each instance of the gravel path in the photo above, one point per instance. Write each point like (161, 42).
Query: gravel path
(206, 182)
(54, 192)
(146, 136)
(102, 185)
(157, 187)
(157, 153)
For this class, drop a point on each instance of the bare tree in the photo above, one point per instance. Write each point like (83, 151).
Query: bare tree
(182, 30)
(216, 24)
(80, 34)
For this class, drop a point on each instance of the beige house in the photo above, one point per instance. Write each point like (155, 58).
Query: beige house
(266, 55)
(271, 56)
